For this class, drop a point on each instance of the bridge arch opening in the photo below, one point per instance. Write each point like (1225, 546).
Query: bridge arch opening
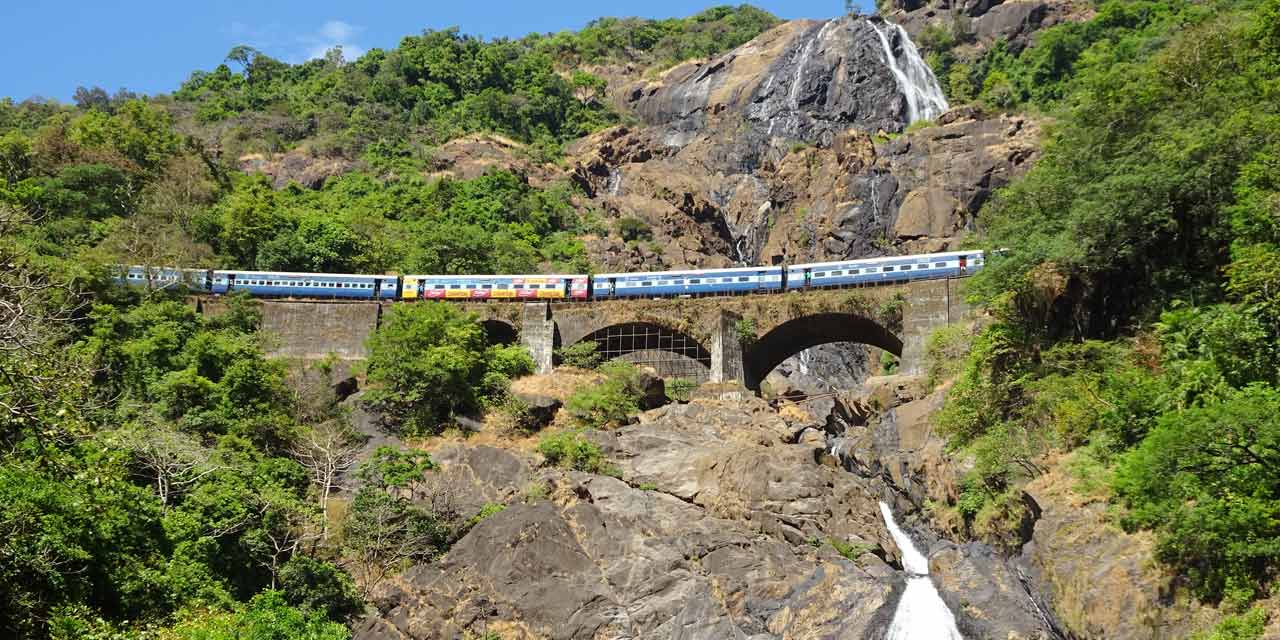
(499, 332)
(799, 334)
(672, 353)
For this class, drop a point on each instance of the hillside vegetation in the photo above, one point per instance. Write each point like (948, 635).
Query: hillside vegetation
(1136, 300)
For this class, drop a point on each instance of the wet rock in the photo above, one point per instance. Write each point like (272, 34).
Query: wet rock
(988, 593)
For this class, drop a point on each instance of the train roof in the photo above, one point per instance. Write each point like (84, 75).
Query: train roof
(882, 259)
(689, 272)
(561, 276)
(294, 274)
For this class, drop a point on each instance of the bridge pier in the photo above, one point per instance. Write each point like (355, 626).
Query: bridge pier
(538, 334)
(726, 350)
(929, 305)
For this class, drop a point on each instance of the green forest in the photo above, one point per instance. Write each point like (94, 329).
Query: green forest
(1135, 295)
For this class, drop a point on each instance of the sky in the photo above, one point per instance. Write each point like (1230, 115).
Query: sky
(150, 46)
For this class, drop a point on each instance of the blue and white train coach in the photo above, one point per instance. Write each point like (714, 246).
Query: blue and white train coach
(686, 283)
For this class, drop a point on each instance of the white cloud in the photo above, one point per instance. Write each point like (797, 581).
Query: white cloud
(333, 33)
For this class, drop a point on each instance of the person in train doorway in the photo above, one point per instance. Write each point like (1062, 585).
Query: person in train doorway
(964, 264)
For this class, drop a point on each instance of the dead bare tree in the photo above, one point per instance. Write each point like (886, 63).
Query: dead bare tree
(327, 450)
(172, 460)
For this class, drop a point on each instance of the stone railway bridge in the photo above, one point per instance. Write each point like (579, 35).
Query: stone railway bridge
(717, 339)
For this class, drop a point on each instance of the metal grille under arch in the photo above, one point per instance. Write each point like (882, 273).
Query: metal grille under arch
(671, 353)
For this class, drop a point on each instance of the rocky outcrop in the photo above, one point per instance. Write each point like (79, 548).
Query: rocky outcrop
(718, 526)
(297, 166)
(986, 21)
(1102, 580)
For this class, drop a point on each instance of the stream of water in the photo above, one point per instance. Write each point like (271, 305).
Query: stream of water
(921, 613)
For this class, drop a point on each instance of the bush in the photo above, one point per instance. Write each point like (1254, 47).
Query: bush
(944, 353)
(316, 585)
(850, 550)
(429, 362)
(634, 230)
(582, 355)
(610, 402)
(569, 449)
(680, 389)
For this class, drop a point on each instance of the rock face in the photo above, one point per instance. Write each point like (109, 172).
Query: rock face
(987, 21)
(297, 166)
(718, 527)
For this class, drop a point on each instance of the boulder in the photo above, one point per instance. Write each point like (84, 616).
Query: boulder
(541, 410)
(653, 390)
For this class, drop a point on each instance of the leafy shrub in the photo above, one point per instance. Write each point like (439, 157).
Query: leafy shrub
(680, 389)
(429, 362)
(850, 550)
(610, 402)
(582, 355)
(316, 585)
(944, 353)
(569, 449)
(1247, 626)
(634, 229)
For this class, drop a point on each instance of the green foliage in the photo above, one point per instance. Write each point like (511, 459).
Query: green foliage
(1207, 479)
(747, 331)
(613, 401)
(315, 585)
(582, 355)
(441, 84)
(1247, 626)
(655, 42)
(634, 229)
(392, 468)
(268, 616)
(850, 550)
(680, 389)
(944, 352)
(429, 362)
(569, 449)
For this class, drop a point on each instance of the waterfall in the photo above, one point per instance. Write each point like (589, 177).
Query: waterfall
(916, 80)
(921, 614)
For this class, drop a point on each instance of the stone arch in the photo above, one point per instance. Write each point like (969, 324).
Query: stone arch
(499, 332)
(671, 352)
(798, 334)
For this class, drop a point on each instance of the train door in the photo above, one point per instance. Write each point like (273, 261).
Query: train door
(761, 279)
(568, 291)
(231, 282)
(613, 287)
(964, 263)
(808, 278)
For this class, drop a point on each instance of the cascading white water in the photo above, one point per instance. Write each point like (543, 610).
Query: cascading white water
(916, 80)
(921, 613)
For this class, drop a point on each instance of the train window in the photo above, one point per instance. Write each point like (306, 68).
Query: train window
(887, 269)
(837, 273)
(820, 274)
(853, 272)
(518, 286)
(744, 279)
(437, 287)
(455, 286)
(646, 284)
(695, 281)
(939, 265)
(486, 286)
(906, 267)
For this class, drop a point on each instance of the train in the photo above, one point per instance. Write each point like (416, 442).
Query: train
(570, 287)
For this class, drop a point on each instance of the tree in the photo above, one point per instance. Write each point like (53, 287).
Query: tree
(267, 616)
(382, 533)
(173, 461)
(1208, 481)
(327, 450)
(316, 585)
(427, 362)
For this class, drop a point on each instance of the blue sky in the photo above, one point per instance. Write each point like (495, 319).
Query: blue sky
(150, 46)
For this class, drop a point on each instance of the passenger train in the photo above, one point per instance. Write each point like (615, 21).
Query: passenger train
(604, 286)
